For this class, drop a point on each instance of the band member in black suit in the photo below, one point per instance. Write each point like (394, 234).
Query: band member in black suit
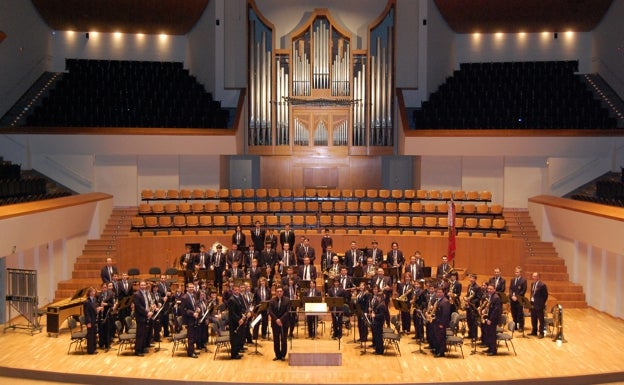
(108, 271)
(290, 273)
(158, 321)
(254, 273)
(203, 258)
(443, 269)
(454, 292)
(250, 255)
(375, 252)
(164, 293)
(326, 241)
(327, 259)
(384, 284)
(494, 312)
(362, 304)
(190, 315)
(217, 263)
(238, 238)
(419, 299)
(517, 290)
(248, 299)
(268, 256)
(306, 251)
(346, 282)
(331, 271)
(234, 254)
(441, 323)
(235, 272)
(262, 294)
(291, 290)
(499, 282)
(353, 258)
(106, 301)
(125, 290)
(142, 313)
(312, 319)
(90, 310)
(336, 291)
(307, 271)
(416, 266)
(378, 316)
(257, 236)
(279, 307)
(539, 296)
(472, 301)
(405, 292)
(396, 259)
(236, 321)
(271, 238)
(287, 236)
(286, 258)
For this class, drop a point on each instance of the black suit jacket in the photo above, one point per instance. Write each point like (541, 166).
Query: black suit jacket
(501, 286)
(539, 295)
(241, 240)
(287, 238)
(517, 287)
(258, 239)
(279, 312)
(106, 277)
(495, 309)
(90, 311)
(140, 310)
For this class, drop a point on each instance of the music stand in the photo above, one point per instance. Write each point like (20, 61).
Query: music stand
(304, 284)
(258, 309)
(526, 304)
(294, 305)
(336, 303)
(316, 300)
(392, 272)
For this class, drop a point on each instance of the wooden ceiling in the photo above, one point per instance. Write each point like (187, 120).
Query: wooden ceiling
(172, 17)
(490, 16)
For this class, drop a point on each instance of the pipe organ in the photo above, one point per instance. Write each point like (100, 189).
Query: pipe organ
(320, 92)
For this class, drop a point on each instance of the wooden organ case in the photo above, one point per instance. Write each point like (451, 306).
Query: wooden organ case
(321, 95)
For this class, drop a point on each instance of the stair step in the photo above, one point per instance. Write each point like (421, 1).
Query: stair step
(544, 260)
(88, 265)
(79, 274)
(558, 286)
(554, 276)
(100, 259)
(569, 304)
(544, 268)
(75, 283)
(567, 296)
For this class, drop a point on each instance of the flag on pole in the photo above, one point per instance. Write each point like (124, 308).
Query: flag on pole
(451, 231)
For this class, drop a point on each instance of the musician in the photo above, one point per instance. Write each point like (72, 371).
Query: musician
(307, 271)
(498, 281)
(279, 307)
(332, 271)
(106, 301)
(254, 273)
(268, 256)
(217, 264)
(312, 319)
(287, 236)
(353, 258)
(328, 258)
(235, 272)
(379, 313)
(158, 319)
(291, 290)
(362, 303)
(142, 313)
(384, 284)
(203, 258)
(248, 299)
(431, 301)
(416, 266)
(419, 299)
(239, 238)
(286, 258)
(236, 319)
(90, 310)
(257, 236)
(454, 291)
(306, 251)
(190, 315)
(164, 291)
(539, 296)
(262, 294)
(107, 271)
(115, 285)
(336, 291)
(346, 282)
(375, 252)
(271, 238)
(443, 269)
(176, 300)
(494, 313)
(405, 291)
(250, 255)
(441, 323)
(187, 260)
(396, 259)
(234, 255)
(517, 290)
(369, 269)
(326, 240)
(201, 322)
(290, 273)
(473, 301)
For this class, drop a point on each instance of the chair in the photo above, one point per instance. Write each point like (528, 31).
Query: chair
(284, 220)
(173, 194)
(184, 208)
(179, 221)
(347, 193)
(275, 207)
(285, 193)
(138, 222)
(359, 194)
(236, 207)
(365, 221)
(271, 221)
(186, 194)
(442, 207)
(471, 223)
(409, 194)
(340, 206)
(171, 208)
(418, 221)
(210, 194)
(430, 207)
(325, 221)
(197, 194)
(403, 207)
(378, 221)
(313, 206)
(210, 207)
(261, 194)
(249, 207)
(392, 336)
(147, 195)
(180, 337)
(485, 196)
(391, 221)
(145, 208)
(396, 194)
(218, 221)
(485, 223)
(443, 222)
(205, 221)
(391, 207)
(435, 194)
(298, 221)
(351, 220)
(508, 337)
(151, 222)
(353, 206)
(125, 339)
(223, 207)
(469, 208)
(310, 193)
(223, 193)
(192, 221)
(416, 207)
(249, 193)
(160, 194)
(327, 206)
(378, 207)
(334, 194)
(273, 193)
(405, 221)
(452, 339)
(311, 221)
(366, 207)
(447, 195)
(322, 193)
(459, 195)
(262, 207)
(288, 206)
(498, 224)
(158, 208)
(133, 273)
(77, 336)
(236, 193)
(244, 221)
(300, 206)
(472, 195)
(298, 193)
(338, 220)
(164, 222)
(222, 342)
(431, 222)
(496, 209)
(231, 221)
(483, 209)
(372, 194)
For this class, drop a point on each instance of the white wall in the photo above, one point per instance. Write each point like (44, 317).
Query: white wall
(592, 249)
(24, 54)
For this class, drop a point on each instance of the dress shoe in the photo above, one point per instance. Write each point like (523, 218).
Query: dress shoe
(282, 359)
(139, 354)
(439, 355)
(486, 351)
(194, 356)
(532, 334)
(276, 359)
(378, 353)
(490, 354)
(540, 336)
(92, 353)
(236, 357)
(146, 350)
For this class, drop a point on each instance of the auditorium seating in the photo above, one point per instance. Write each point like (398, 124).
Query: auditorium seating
(513, 95)
(18, 188)
(111, 93)
(380, 211)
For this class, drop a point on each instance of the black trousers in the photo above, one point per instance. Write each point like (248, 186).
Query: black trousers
(517, 313)
(280, 341)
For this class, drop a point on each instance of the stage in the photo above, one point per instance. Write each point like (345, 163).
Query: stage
(591, 355)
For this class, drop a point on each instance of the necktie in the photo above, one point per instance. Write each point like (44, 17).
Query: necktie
(257, 232)
(218, 258)
(192, 300)
(110, 272)
(306, 276)
(395, 257)
(344, 282)
(286, 256)
(279, 304)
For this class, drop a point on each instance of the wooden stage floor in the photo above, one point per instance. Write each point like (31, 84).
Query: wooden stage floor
(591, 355)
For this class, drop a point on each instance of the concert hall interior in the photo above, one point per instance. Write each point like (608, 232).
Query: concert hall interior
(448, 176)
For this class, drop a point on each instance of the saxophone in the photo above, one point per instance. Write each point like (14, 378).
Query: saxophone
(484, 310)
(430, 313)
(403, 297)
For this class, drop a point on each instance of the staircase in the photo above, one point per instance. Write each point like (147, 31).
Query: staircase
(87, 267)
(542, 257)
